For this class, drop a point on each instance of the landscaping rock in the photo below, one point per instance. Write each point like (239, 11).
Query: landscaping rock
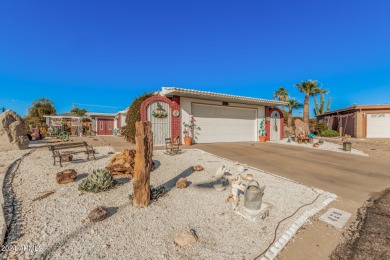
(13, 135)
(98, 214)
(66, 157)
(185, 239)
(198, 168)
(301, 128)
(122, 163)
(66, 176)
(181, 183)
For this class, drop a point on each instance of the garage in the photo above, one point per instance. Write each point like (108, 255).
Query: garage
(368, 121)
(224, 123)
(378, 125)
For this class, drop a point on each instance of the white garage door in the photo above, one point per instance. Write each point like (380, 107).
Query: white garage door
(224, 124)
(378, 125)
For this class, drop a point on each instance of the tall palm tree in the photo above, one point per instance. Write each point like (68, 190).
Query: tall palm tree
(310, 88)
(281, 94)
(292, 104)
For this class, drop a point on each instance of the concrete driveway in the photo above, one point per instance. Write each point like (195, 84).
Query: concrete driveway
(352, 178)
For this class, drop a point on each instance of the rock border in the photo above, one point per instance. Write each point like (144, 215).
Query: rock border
(8, 173)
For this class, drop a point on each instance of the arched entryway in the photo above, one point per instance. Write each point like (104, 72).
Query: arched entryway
(275, 124)
(163, 113)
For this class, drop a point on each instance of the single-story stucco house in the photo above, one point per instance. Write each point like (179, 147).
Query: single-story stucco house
(99, 123)
(105, 123)
(366, 121)
(218, 117)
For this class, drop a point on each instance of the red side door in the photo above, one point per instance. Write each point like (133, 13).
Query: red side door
(105, 126)
(109, 126)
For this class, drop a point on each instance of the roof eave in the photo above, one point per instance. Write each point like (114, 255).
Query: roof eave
(167, 91)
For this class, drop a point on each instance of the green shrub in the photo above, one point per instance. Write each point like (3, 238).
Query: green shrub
(99, 180)
(329, 133)
(321, 127)
(134, 115)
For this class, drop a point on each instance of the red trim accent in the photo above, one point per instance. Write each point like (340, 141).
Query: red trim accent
(268, 112)
(174, 105)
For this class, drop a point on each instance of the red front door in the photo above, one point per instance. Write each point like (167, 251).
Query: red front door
(105, 126)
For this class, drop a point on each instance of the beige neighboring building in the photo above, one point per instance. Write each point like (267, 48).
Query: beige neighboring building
(368, 121)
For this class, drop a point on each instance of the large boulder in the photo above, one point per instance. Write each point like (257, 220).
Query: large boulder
(301, 128)
(13, 135)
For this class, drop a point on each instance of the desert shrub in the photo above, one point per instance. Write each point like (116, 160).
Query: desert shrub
(322, 126)
(329, 133)
(99, 180)
(155, 193)
(134, 115)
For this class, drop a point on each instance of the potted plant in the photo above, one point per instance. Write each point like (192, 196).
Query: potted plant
(189, 130)
(262, 132)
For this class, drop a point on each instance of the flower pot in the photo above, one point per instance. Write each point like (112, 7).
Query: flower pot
(187, 140)
(262, 139)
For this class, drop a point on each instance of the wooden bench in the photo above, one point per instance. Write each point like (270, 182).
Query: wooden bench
(172, 148)
(304, 139)
(57, 155)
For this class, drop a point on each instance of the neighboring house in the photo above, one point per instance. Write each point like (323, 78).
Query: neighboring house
(105, 123)
(368, 121)
(218, 117)
(66, 121)
(100, 123)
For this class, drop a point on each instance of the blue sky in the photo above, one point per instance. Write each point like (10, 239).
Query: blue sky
(108, 52)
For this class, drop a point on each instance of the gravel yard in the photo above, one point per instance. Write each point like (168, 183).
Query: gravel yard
(58, 226)
(327, 146)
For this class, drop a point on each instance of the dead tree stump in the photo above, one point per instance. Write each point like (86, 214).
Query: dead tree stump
(143, 164)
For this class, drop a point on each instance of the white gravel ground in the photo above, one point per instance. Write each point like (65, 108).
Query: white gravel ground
(327, 146)
(58, 224)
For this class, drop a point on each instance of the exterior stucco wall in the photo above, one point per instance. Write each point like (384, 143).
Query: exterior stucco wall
(359, 131)
(186, 109)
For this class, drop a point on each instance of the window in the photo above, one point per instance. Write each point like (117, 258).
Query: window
(101, 125)
(109, 125)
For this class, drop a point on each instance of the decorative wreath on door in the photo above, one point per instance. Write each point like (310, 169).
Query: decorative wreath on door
(159, 112)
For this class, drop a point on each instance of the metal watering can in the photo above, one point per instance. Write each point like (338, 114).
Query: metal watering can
(253, 196)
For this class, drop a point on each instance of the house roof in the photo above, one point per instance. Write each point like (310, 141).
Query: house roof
(170, 91)
(99, 114)
(64, 115)
(123, 111)
(354, 108)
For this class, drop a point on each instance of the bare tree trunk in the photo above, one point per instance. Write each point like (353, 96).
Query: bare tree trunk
(143, 164)
(289, 119)
(306, 109)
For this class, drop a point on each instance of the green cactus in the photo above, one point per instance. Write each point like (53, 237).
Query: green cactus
(318, 110)
(98, 181)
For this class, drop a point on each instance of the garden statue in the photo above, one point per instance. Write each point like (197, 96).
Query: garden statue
(219, 179)
(237, 186)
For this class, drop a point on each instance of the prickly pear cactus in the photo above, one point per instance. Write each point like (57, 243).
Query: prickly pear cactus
(99, 180)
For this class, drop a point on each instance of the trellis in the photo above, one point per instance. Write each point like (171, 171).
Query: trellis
(339, 117)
